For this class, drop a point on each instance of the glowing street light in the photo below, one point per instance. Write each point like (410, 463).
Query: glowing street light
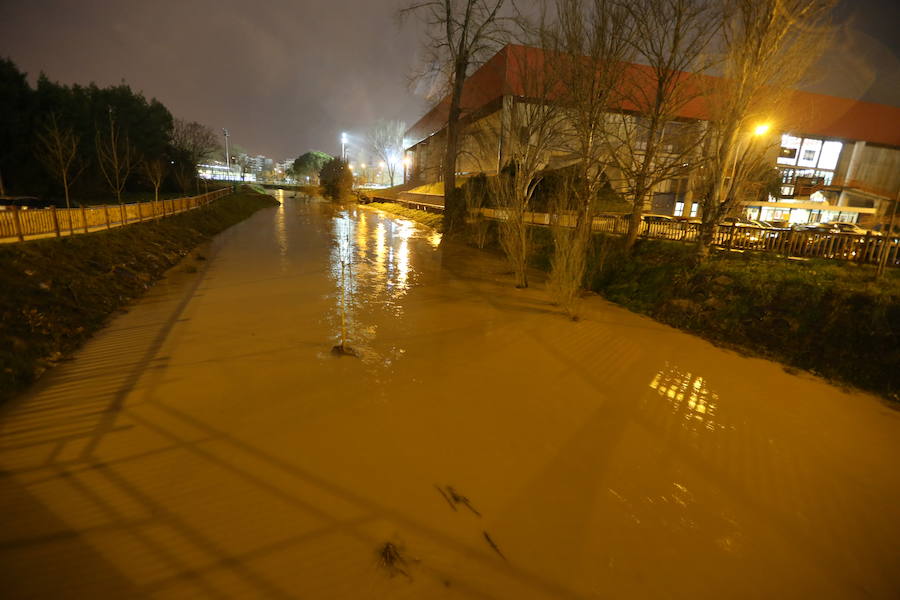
(761, 129)
(343, 146)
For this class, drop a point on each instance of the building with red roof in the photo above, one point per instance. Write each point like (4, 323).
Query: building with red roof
(839, 158)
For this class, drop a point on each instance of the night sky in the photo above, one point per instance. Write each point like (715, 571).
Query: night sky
(286, 76)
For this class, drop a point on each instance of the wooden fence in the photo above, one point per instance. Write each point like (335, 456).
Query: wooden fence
(868, 248)
(20, 223)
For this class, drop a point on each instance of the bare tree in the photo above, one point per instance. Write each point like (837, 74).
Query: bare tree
(58, 150)
(571, 240)
(115, 155)
(648, 144)
(386, 141)
(532, 127)
(195, 143)
(768, 49)
(460, 35)
(155, 171)
(590, 50)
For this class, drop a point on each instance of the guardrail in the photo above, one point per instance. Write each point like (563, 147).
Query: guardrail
(851, 247)
(19, 224)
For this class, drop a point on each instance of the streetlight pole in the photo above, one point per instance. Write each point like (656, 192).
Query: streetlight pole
(343, 146)
(227, 154)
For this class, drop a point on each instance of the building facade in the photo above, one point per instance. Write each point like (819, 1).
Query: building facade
(839, 159)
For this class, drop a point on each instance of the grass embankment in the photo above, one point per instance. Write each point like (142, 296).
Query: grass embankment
(54, 293)
(827, 317)
(433, 220)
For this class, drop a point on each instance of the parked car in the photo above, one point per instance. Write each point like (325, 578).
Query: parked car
(849, 228)
(775, 224)
(740, 222)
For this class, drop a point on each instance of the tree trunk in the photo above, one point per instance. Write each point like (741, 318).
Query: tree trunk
(453, 206)
(636, 223)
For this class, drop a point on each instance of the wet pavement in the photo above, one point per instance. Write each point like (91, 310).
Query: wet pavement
(207, 444)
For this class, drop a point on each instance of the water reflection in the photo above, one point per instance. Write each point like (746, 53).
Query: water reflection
(689, 396)
(281, 237)
(378, 271)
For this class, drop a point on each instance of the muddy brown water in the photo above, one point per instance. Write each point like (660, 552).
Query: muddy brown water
(208, 444)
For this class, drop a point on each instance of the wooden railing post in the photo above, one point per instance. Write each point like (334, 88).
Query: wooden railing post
(123, 218)
(17, 223)
(55, 220)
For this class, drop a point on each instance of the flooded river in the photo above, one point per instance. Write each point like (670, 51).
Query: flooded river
(208, 444)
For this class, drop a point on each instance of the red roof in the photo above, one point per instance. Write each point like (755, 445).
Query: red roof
(806, 113)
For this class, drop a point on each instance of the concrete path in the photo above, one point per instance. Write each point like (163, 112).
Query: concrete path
(208, 445)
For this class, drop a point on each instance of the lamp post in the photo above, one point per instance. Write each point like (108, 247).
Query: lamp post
(227, 155)
(343, 146)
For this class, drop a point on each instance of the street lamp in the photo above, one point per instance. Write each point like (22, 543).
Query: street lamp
(406, 162)
(227, 161)
(758, 131)
(343, 146)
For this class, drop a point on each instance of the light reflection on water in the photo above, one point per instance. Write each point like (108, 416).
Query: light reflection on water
(689, 397)
(281, 231)
(379, 272)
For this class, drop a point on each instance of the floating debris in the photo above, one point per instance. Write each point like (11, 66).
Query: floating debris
(446, 497)
(391, 559)
(493, 544)
(458, 498)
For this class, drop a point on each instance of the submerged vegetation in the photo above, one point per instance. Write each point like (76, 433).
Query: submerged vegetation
(832, 319)
(54, 293)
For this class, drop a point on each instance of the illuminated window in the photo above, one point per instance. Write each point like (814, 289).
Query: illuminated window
(679, 209)
(790, 148)
(694, 208)
(831, 151)
(809, 152)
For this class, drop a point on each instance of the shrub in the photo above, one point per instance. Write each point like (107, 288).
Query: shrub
(336, 179)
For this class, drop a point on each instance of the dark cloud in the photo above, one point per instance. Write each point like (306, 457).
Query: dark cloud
(288, 76)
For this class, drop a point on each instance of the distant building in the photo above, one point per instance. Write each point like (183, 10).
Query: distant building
(839, 160)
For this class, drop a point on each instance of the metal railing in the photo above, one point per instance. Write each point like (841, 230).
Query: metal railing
(869, 248)
(19, 224)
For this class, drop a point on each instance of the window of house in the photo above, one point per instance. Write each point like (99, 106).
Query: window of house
(679, 209)
(694, 208)
(790, 148)
(809, 152)
(831, 152)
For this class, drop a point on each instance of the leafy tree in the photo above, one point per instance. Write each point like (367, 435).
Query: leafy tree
(310, 163)
(336, 179)
(16, 105)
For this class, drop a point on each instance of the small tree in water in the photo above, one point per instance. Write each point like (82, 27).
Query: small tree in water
(346, 257)
(336, 179)
(571, 237)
